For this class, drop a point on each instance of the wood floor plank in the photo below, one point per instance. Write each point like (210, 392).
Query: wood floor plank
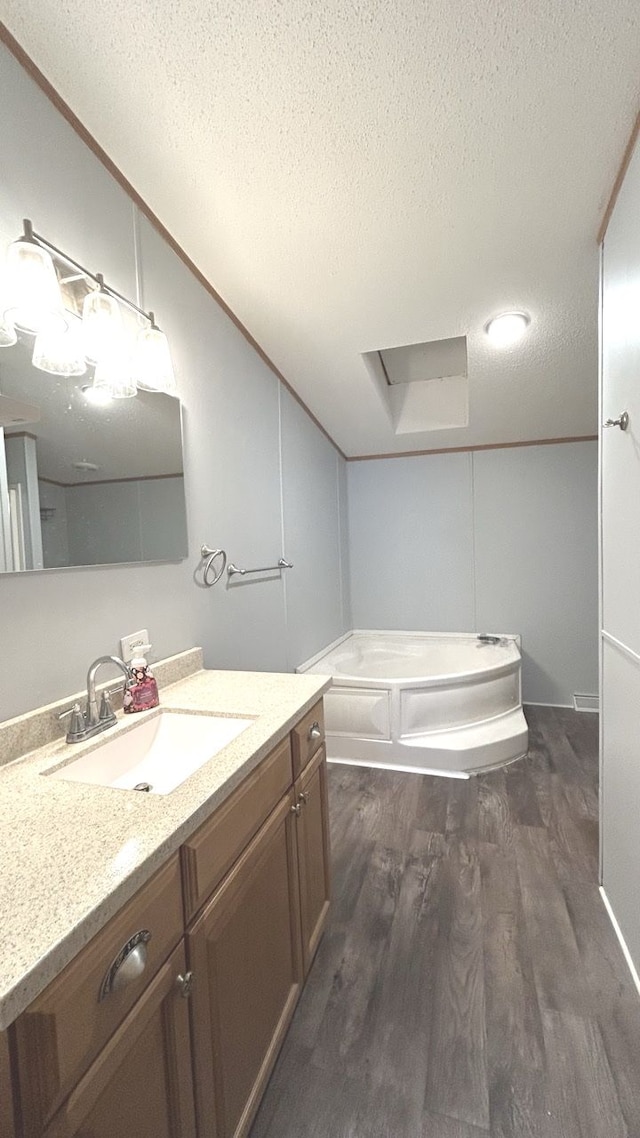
(344, 1035)
(457, 1084)
(619, 1024)
(522, 798)
(559, 977)
(605, 968)
(462, 809)
(438, 1126)
(515, 1044)
(495, 824)
(573, 834)
(432, 805)
(399, 1057)
(583, 1099)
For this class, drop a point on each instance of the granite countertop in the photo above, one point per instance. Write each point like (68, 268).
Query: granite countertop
(71, 854)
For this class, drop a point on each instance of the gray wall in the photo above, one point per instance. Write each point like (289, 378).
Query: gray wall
(501, 540)
(256, 468)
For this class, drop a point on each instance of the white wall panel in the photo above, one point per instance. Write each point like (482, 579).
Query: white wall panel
(232, 463)
(411, 548)
(312, 533)
(535, 511)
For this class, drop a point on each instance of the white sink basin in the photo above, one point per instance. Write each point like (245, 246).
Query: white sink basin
(161, 750)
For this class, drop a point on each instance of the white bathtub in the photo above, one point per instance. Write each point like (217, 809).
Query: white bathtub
(440, 703)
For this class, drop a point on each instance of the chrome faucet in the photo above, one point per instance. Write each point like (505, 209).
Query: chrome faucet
(91, 721)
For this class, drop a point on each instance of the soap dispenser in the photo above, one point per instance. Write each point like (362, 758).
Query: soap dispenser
(141, 691)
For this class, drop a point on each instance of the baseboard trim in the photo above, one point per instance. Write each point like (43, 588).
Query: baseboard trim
(536, 703)
(623, 943)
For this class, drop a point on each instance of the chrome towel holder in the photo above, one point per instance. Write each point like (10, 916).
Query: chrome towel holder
(210, 556)
(282, 564)
(211, 575)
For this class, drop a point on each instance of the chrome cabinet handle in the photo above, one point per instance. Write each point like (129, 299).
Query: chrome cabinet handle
(622, 422)
(303, 798)
(315, 731)
(185, 984)
(296, 809)
(127, 966)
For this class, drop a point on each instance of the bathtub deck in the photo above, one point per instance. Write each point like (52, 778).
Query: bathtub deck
(469, 983)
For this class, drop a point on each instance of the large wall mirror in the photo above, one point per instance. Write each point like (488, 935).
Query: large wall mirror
(82, 484)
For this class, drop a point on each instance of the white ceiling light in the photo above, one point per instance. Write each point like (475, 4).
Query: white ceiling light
(507, 328)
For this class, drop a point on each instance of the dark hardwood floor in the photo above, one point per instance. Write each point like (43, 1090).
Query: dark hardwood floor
(469, 982)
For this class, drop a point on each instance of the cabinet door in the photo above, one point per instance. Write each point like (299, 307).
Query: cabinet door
(312, 826)
(7, 1129)
(244, 951)
(141, 1083)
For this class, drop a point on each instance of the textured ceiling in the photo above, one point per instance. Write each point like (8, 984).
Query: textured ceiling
(357, 175)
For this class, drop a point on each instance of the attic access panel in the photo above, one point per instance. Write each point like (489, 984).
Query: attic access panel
(424, 386)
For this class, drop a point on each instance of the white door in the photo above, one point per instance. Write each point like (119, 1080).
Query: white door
(620, 561)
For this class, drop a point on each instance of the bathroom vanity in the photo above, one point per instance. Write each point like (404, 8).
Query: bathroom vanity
(168, 1019)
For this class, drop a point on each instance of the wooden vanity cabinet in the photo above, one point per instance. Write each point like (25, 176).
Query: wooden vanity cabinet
(245, 952)
(252, 888)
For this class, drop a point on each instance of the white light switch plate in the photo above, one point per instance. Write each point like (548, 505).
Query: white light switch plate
(129, 645)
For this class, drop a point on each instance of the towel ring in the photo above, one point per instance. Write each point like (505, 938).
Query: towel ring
(210, 555)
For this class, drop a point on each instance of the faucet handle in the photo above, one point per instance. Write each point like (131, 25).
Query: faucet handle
(77, 725)
(106, 709)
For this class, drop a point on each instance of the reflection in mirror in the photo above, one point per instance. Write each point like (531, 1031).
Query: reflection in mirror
(84, 484)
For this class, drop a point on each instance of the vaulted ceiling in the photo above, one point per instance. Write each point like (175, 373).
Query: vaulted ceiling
(353, 176)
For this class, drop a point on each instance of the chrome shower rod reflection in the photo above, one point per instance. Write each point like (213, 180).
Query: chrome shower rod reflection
(282, 564)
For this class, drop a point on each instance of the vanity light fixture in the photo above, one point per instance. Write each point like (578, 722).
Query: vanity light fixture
(43, 301)
(507, 328)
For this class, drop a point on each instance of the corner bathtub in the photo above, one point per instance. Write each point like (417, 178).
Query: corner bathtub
(439, 703)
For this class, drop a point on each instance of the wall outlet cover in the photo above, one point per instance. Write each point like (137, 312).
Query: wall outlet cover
(130, 644)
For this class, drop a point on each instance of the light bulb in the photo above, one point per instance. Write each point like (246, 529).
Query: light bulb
(102, 326)
(152, 367)
(34, 302)
(60, 351)
(113, 373)
(507, 328)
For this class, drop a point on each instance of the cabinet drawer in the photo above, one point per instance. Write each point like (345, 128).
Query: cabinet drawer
(218, 843)
(306, 737)
(62, 1031)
